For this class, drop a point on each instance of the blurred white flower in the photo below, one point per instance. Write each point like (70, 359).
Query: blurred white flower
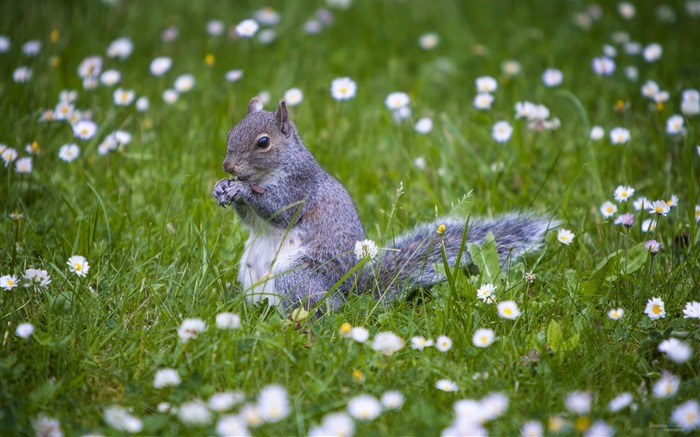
(603, 66)
(446, 385)
(652, 52)
(194, 413)
(22, 74)
(597, 133)
(247, 28)
(343, 88)
(159, 66)
(166, 377)
(215, 27)
(366, 248)
(619, 135)
(190, 328)
(123, 97)
(666, 386)
(387, 343)
(429, 41)
(184, 83)
(392, 400)
(121, 420)
(232, 425)
(31, 48)
(267, 16)
(565, 236)
(552, 77)
(483, 101)
(396, 100)
(24, 165)
(110, 77)
(486, 84)
(692, 309)
(676, 350)
(359, 334)
(674, 125)
(502, 131)
(419, 342)
(364, 408)
(228, 321)
(655, 308)
(687, 414)
(24, 330)
(608, 209)
(508, 309)
(273, 403)
(68, 152)
(293, 96)
(120, 48)
(690, 102)
(170, 96)
(619, 402)
(578, 402)
(5, 44)
(483, 337)
(443, 343)
(224, 401)
(85, 129)
(142, 104)
(90, 67)
(424, 125)
(36, 278)
(234, 75)
(626, 10)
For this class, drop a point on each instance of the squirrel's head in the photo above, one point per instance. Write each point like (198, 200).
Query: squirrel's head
(257, 146)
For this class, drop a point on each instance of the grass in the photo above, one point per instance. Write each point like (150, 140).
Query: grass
(161, 250)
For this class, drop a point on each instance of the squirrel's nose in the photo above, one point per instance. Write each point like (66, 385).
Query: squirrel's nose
(229, 167)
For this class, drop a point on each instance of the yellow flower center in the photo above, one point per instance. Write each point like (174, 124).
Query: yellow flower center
(659, 210)
(581, 423)
(345, 328)
(484, 339)
(508, 311)
(10, 282)
(209, 59)
(624, 194)
(668, 202)
(656, 309)
(78, 266)
(660, 106)
(54, 36)
(564, 238)
(610, 210)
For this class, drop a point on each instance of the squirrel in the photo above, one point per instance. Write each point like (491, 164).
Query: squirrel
(304, 225)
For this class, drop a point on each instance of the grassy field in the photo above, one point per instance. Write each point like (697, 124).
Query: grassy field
(137, 206)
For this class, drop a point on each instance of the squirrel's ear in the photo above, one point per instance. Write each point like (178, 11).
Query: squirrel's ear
(282, 117)
(254, 105)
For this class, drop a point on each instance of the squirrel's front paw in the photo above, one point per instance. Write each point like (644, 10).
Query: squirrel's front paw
(226, 191)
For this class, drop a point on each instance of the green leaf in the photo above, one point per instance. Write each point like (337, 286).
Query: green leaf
(485, 256)
(463, 208)
(571, 343)
(602, 272)
(636, 258)
(554, 335)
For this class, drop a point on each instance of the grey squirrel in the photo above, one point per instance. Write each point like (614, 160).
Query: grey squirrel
(304, 225)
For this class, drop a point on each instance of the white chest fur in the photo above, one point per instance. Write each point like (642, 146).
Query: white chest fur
(269, 252)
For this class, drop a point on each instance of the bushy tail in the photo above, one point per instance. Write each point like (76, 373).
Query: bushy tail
(409, 264)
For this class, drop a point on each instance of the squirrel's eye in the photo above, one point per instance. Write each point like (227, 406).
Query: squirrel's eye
(264, 142)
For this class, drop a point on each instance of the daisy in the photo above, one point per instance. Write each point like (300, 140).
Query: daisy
(641, 203)
(184, 83)
(170, 96)
(510, 68)
(616, 313)
(68, 152)
(160, 65)
(423, 125)
(392, 400)
(5, 44)
(194, 413)
(483, 101)
(597, 133)
(366, 249)
(142, 104)
(650, 89)
(483, 337)
(446, 385)
(247, 28)
(190, 328)
(486, 292)
(655, 308)
(501, 131)
(508, 309)
(623, 193)
(659, 207)
(687, 415)
(396, 100)
(24, 165)
(24, 330)
(273, 403)
(626, 10)
(110, 77)
(85, 129)
(8, 155)
(666, 386)
(652, 246)
(169, 34)
(661, 97)
(419, 342)
(228, 321)
(359, 334)
(120, 48)
(36, 278)
(234, 75)
(225, 401)
(608, 209)
(552, 77)
(619, 135)
(267, 16)
(565, 236)
(166, 377)
(648, 225)
(691, 310)
(620, 402)
(486, 84)
(387, 343)
(90, 67)
(22, 74)
(603, 66)
(676, 350)
(364, 408)
(215, 27)
(599, 429)
(250, 414)
(232, 425)
(47, 427)
(533, 428)
(429, 41)
(79, 265)
(120, 419)
(403, 113)
(494, 405)
(443, 343)
(625, 220)
(578, 402)
(674, 125)
(343, 88)
(652, 52)
(334, 424)
(673, 201)
(690, 102)
(31, 48)
(293, 96)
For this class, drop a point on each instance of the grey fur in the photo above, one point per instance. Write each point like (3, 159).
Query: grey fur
(288, 202)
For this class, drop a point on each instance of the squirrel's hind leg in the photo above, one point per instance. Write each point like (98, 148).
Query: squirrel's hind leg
(305, 287)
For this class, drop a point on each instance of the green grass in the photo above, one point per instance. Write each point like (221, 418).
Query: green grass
(161, 250)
